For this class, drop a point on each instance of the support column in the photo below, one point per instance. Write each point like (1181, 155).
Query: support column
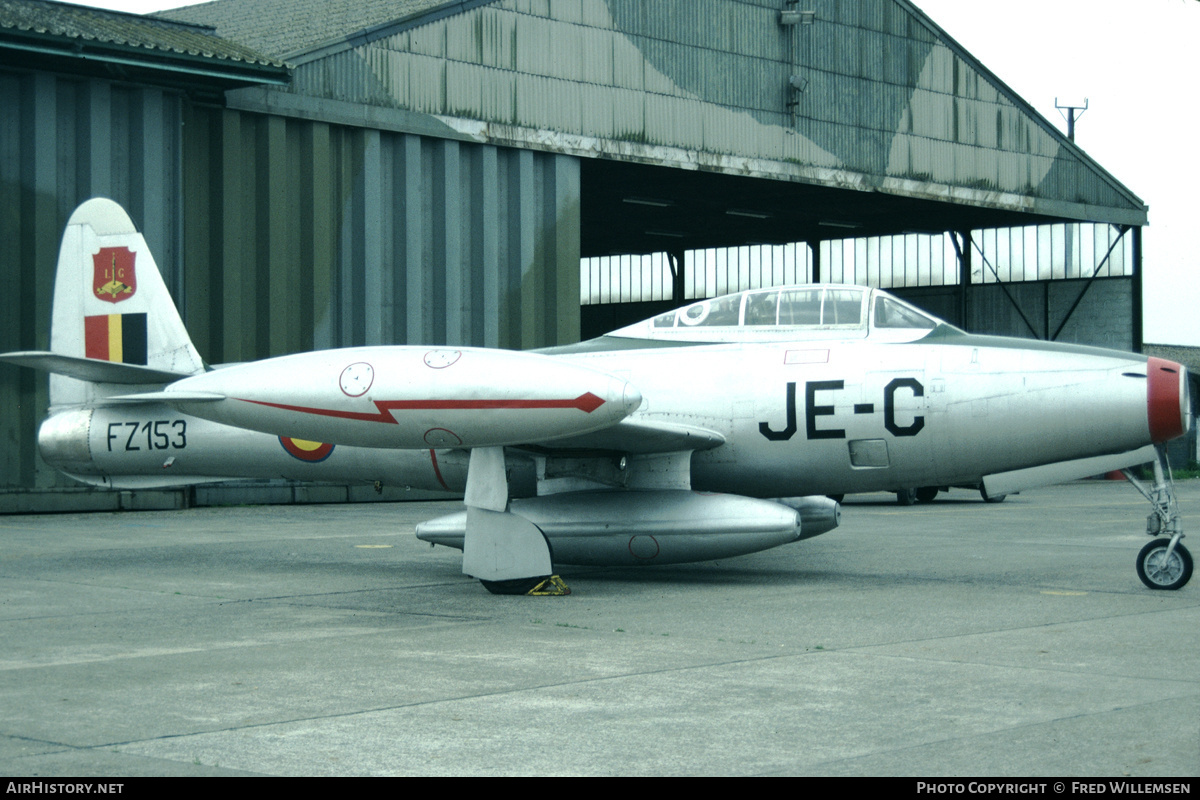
(678, 282)
(1138, 289)
(964, 248)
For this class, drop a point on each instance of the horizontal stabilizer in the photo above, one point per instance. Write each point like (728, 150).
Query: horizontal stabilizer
(1063, 471)
(90, 369)
(168, 397)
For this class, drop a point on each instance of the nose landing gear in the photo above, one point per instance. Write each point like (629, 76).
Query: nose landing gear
(1164, 563)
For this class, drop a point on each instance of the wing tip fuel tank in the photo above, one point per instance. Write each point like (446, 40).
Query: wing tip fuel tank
(639, 527)
(423, 397)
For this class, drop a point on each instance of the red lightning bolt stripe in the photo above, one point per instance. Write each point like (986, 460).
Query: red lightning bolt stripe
(586, 403)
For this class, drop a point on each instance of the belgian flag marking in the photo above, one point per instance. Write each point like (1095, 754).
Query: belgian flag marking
(116, 337)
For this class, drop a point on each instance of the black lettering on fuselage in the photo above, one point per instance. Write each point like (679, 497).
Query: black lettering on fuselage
(161, 434)
(889, 407)
(812, 410)
(133, 429)
(790, 430)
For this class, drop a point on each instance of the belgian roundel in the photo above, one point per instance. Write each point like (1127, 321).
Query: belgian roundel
(306, 450)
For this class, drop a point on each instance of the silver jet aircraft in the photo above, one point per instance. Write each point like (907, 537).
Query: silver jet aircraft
(715, 430)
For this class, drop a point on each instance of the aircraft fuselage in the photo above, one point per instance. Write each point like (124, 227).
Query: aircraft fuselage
(797, 418)
(856, 417)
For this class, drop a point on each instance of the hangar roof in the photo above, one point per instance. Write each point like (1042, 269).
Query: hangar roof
(868, 120)
(296, 27)
(73, 36)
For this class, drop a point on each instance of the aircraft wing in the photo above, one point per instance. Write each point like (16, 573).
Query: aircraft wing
(1002, 483)
(639, 437)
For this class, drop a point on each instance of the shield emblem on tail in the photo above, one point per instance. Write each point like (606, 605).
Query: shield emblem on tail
(114, 279)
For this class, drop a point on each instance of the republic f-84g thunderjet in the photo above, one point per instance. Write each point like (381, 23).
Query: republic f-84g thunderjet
(711, 431)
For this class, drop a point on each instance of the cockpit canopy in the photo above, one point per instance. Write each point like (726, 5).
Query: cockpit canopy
(814, 311)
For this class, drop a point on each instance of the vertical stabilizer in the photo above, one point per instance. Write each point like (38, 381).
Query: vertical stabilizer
(110, 302)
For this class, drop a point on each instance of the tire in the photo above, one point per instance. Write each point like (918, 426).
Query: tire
(926, 494)
(988, 498)
(906, 497)
(515, 586)
(1158, 573)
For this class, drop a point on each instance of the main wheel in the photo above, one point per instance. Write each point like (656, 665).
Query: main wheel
(926, 494)
(906, 497)
(1159, 572)
(545, 586)
(515, 586)
(991, 498)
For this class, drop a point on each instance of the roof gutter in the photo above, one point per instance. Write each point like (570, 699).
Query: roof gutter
(247, 73)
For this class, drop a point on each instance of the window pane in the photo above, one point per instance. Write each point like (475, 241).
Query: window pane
(760, 308)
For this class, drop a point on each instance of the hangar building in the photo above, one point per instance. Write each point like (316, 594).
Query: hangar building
(328, 173)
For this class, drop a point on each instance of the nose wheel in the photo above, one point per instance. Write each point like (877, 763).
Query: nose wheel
(1164, 563)
(1162, 567)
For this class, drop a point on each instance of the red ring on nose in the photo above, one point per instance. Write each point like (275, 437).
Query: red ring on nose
(1164, 399)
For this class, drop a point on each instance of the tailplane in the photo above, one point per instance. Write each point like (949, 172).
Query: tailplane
(113, 320)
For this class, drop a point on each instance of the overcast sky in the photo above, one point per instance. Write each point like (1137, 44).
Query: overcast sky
(1136, 62)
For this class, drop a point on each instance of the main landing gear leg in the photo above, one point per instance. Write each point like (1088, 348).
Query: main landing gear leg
(1164, 563)
(505, 551)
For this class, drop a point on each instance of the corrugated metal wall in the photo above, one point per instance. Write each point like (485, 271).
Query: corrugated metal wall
(62, 141)
(706, 83)
(307, 235)
(279, 235)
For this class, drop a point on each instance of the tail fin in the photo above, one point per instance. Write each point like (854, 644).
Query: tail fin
(113, 320)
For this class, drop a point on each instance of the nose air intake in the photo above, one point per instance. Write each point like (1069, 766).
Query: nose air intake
(1168, 401)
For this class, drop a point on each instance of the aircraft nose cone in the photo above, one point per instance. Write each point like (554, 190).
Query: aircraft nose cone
(1168, 400)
